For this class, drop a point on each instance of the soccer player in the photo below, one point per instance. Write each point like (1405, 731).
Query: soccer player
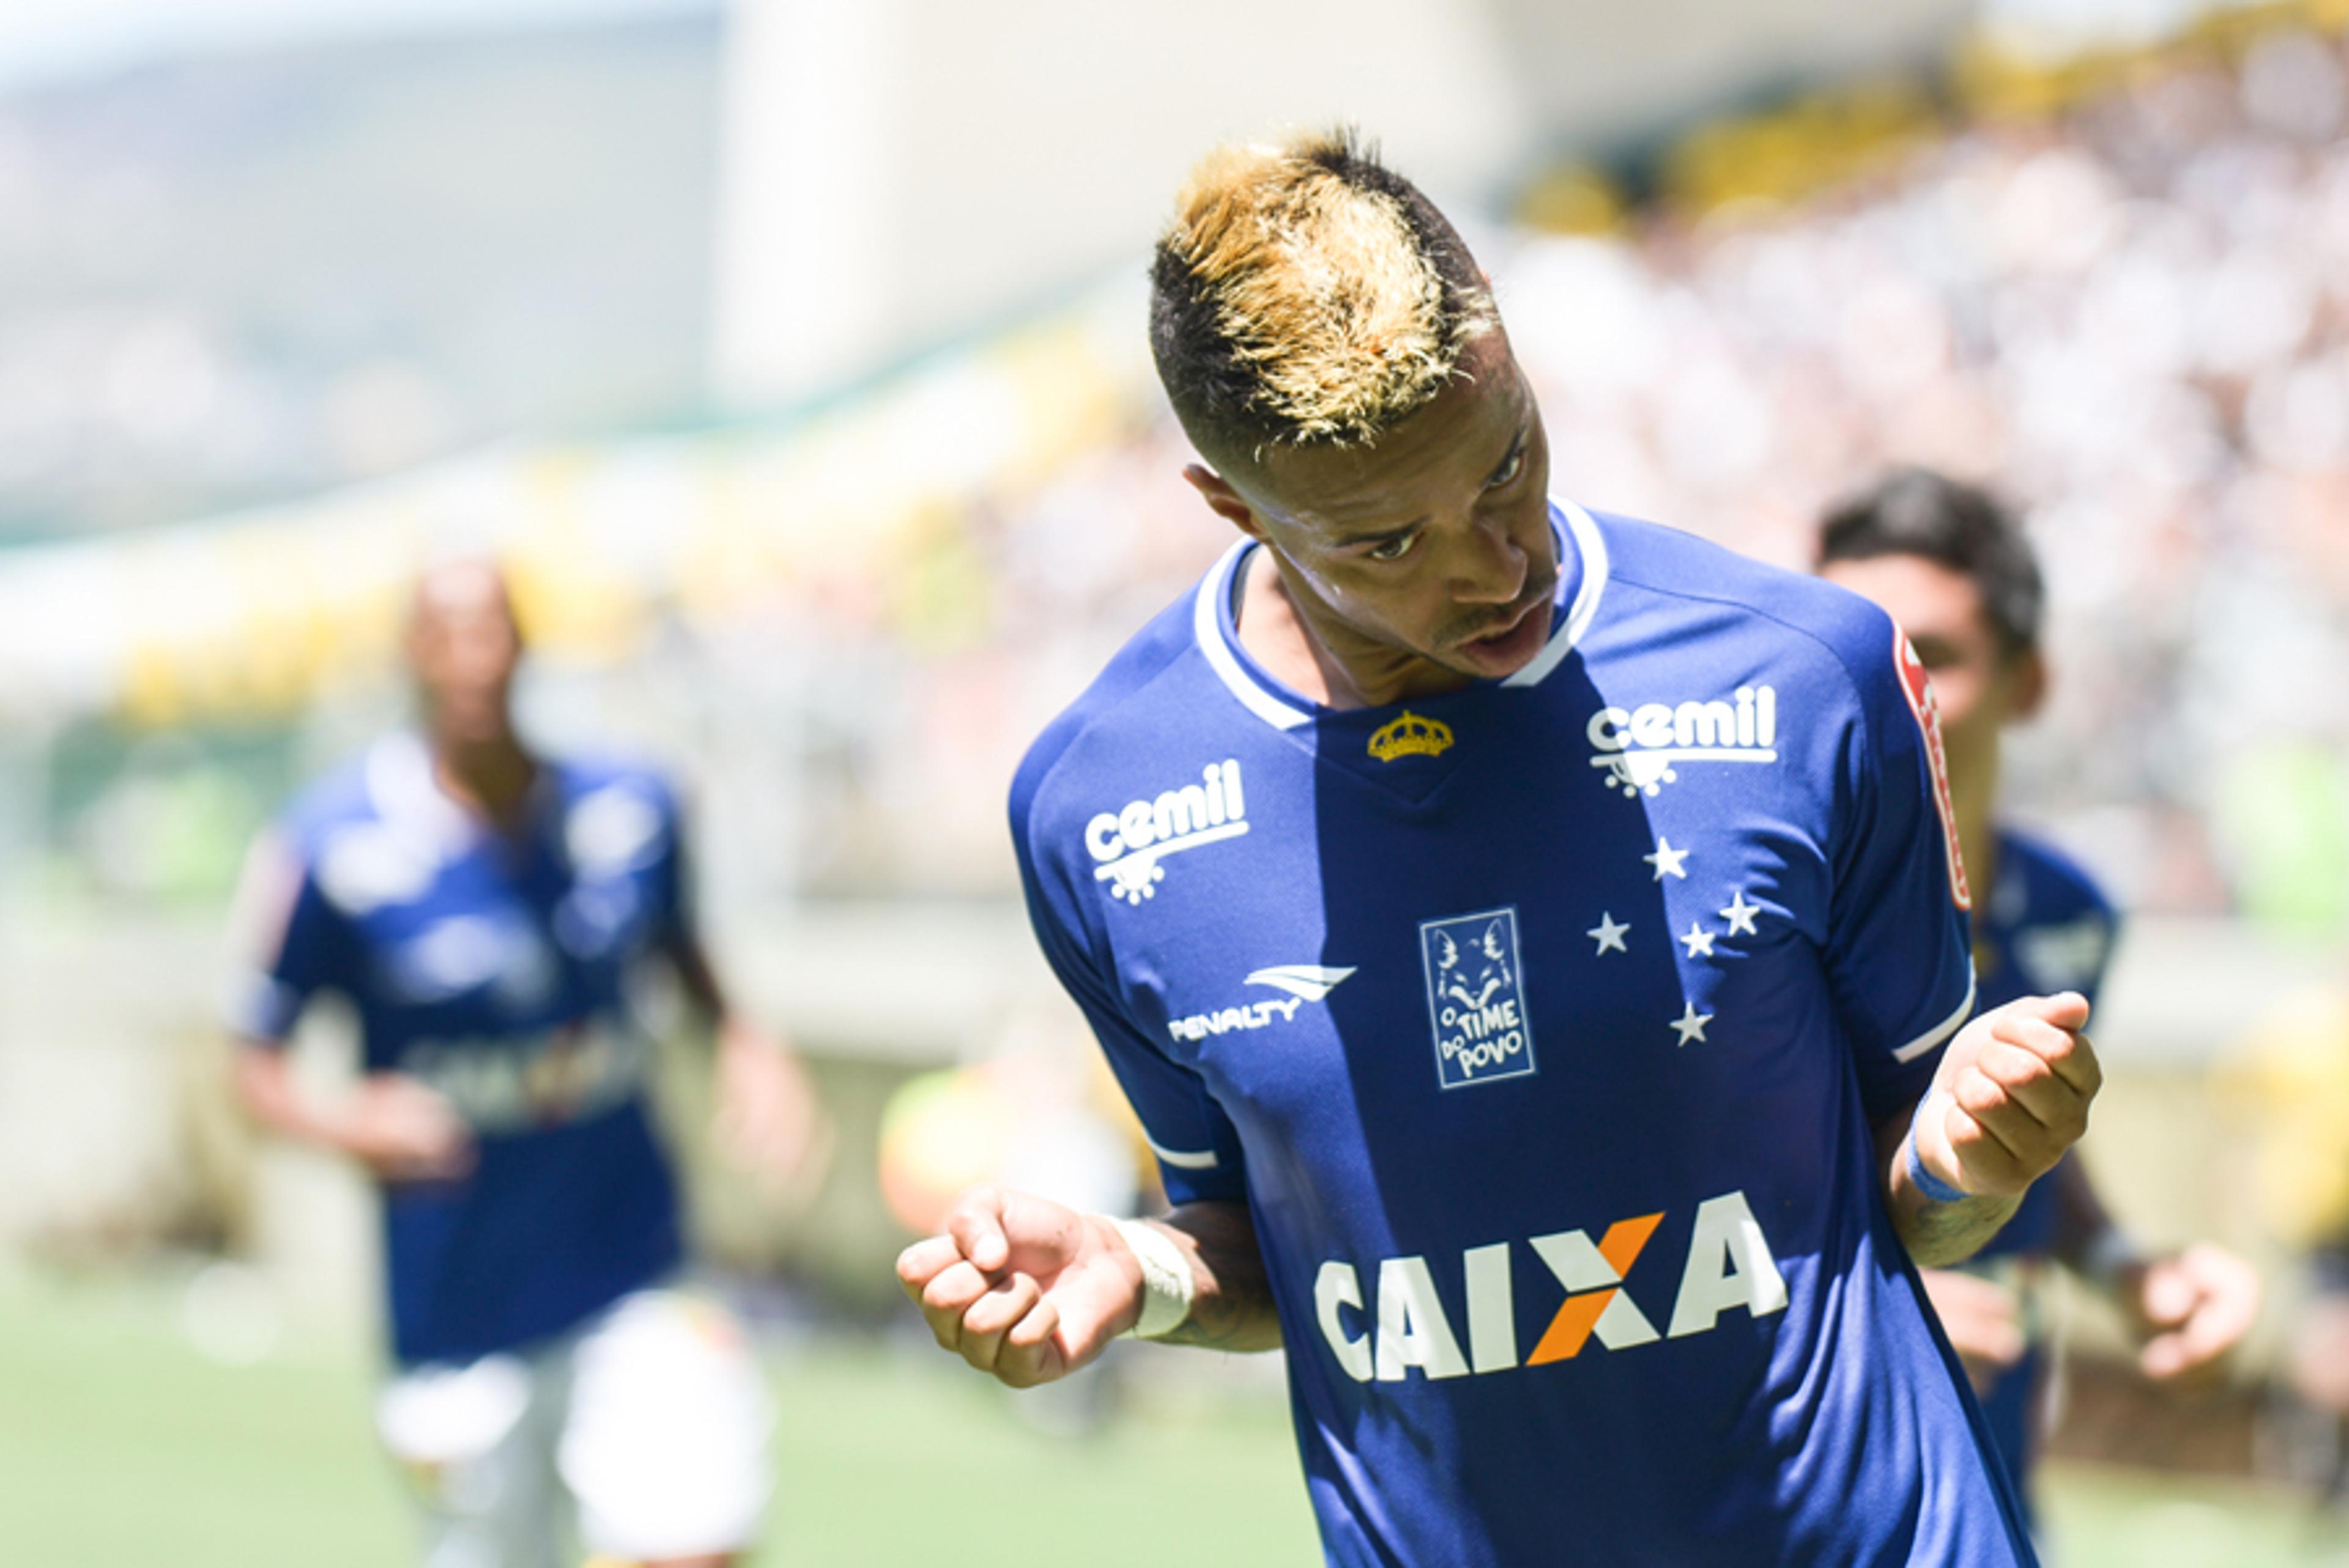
(1528, 937)
(1954, 569)
(485, 909)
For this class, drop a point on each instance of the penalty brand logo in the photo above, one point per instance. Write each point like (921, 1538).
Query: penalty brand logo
(1303, 982)
(1641, 748)
(1475, 998)
(1128, 844)
(1918, 687)
(1728, 1267)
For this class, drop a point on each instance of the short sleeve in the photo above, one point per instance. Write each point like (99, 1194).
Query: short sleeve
(1197, 1149)
(1898, 954)
(289, 942)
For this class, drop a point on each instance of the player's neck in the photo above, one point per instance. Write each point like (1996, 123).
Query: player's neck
(1973, 801)
(1978, 841)
(492, 777)
(1303, 646)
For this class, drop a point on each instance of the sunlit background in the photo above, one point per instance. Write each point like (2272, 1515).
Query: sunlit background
(790, 351)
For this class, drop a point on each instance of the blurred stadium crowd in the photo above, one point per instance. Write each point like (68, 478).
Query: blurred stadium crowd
(2129, 319)
(2127, 316)
(2123, 308)
(224, 278)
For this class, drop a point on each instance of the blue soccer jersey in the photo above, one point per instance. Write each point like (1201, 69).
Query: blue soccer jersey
(1541, 1026)
(495, 970)
(2044, 926)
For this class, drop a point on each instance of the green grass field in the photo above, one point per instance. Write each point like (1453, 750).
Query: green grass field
(122, 1447)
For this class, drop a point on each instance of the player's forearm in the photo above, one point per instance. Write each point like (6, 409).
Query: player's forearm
(266, 1088)
(697, 977)
(400, 1130)
(1937, 1233)
(275, 1099)
(1231, 1305)
(2084, 1234)
(1940, 1234)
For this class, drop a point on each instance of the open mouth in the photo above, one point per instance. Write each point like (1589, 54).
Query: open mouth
(1514, 641)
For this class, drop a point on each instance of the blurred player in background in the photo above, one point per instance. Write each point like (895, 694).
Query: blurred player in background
(1527, 937)
(485, 910)
(1954, 570)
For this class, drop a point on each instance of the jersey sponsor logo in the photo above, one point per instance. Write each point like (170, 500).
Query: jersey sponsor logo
(512, 1084)
(1475, 998)
(1128, 844)
(1728, 1267)
(498, 952)
(1918, 687)
(613, 832)
(366, 866)
(1411, 736)
(1303, 982)
(1641, 748)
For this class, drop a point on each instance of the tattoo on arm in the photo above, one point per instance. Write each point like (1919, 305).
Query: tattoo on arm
(1935, 1234)
(1233, 1309)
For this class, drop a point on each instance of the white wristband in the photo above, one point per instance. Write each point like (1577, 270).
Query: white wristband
(1168, 1281)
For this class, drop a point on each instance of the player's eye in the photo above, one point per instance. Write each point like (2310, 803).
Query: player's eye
(1394, 549)
(1508, 470)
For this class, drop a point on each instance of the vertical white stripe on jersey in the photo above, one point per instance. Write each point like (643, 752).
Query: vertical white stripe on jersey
(1583, 534)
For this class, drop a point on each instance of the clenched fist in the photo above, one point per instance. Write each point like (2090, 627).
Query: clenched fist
(2012, 1096)
(1022, 1288)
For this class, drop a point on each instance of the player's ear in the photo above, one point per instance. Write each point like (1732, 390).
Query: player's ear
(2028, 675)
(1223, 499)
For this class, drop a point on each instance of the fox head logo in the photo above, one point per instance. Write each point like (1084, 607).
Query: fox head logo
(1486, 954)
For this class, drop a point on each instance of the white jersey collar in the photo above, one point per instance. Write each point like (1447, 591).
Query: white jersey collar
(1213, 626)
(406, 796)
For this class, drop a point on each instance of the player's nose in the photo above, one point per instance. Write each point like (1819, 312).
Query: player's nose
(1489, 568)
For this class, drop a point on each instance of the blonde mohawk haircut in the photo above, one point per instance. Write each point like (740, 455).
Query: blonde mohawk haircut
(1307, 294)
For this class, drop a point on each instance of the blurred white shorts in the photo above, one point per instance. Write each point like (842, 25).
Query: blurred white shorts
(642, 1434)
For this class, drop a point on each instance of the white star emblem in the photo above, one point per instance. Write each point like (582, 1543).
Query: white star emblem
(1609, 934)
(1667, 861)
(1740, 915)
(1690, 1024)
(1699, 941)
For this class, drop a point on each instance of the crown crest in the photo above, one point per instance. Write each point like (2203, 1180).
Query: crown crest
(1411, 736)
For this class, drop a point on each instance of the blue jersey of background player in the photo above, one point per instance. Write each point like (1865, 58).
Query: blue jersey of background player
(1955, 570)
(485, 910)
(1524, 936)
(490, 976)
